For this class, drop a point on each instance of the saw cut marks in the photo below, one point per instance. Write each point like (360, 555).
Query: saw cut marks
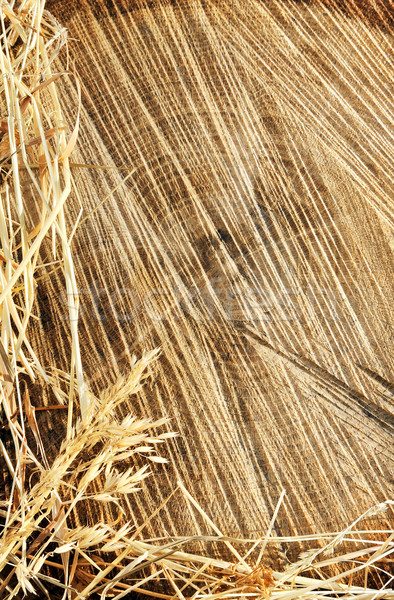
(252, 243)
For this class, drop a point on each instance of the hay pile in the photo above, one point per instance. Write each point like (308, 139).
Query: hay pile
(201, 208)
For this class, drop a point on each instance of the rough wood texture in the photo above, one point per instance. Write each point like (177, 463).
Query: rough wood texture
(252, 243)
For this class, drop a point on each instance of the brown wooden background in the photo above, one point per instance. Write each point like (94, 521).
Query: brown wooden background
(252, 243)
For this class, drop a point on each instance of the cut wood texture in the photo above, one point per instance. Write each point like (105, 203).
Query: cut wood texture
(251, 241)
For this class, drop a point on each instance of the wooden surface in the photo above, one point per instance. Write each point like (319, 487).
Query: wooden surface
(252, 243)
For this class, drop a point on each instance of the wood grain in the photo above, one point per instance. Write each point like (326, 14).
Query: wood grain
(253, 243)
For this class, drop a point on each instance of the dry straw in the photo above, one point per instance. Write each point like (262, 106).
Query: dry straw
(41, 552)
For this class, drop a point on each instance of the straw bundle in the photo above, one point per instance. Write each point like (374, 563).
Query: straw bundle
(229, 200)
(40, 494)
